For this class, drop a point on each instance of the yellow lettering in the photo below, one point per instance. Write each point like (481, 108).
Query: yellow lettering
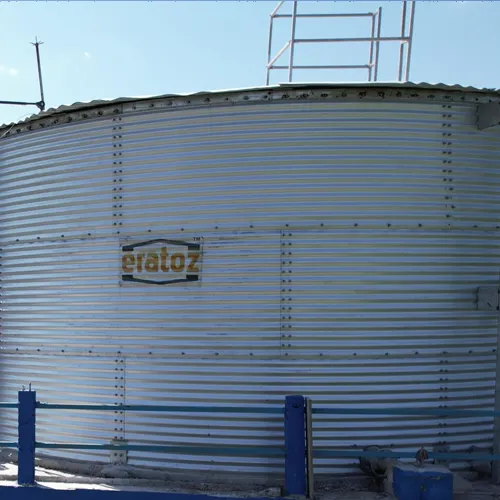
(163, 260)
(139, 262)
(151, 264)
(177, 262)
(193, 268)
(128, 263)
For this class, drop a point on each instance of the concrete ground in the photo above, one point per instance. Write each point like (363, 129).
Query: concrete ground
(338, 489)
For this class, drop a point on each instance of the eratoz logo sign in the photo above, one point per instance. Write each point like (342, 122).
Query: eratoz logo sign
(160, 262)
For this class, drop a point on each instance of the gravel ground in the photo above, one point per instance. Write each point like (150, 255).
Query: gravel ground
(336, 489)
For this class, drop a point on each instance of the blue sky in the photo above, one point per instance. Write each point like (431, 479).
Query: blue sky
(96, 50)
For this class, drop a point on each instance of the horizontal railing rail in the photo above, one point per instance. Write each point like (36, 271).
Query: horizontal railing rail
(459, 412)
(466, 457)
(407, 411)
(164, 408)
(183, 449)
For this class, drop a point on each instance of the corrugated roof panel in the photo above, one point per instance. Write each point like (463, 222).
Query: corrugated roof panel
(83, 105)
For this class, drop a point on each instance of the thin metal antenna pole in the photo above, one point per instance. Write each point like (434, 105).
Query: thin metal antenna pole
(370, 69)
(292, 41)
(269, 47)
(410, 41)
(377, 44)
(402, 44)
(37, 44)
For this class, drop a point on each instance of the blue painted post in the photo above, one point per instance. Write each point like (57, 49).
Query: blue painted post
(26, 435)
(295, 448)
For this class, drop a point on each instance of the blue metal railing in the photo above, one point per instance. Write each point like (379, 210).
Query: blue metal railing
(227, 450)
(446, 412)
(224, 450)
(164, 408)
(27, 443)
(293, 449)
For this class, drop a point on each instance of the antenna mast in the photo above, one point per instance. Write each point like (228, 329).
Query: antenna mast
(41, 103)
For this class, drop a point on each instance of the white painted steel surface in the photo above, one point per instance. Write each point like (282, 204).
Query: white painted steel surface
(344, 235)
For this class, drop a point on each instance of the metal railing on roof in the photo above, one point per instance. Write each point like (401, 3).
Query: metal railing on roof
(374, 39)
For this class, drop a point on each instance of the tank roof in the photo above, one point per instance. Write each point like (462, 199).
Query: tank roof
(242, 94)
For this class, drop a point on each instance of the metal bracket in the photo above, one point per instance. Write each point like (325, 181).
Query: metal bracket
(118, 457)
(488, 115)
(488, 298)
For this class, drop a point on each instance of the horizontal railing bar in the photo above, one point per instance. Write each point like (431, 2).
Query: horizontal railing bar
(357, 14)
(9, 405)
(360, 39)
(6, 444)
(265, 409)
(335, 66)
(406, 411)
(219, 450)
(402, 454)
(164, 408)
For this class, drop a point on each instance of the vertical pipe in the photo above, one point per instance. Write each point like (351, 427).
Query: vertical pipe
(26, 437)
(402, 43)
(269, 47)
(410, 41)
(309, 450)
(370, 69)
(292, 41)
(295, 450)
(377, 43)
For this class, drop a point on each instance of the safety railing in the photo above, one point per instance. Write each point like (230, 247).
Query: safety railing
(27, 443)
(297, 450)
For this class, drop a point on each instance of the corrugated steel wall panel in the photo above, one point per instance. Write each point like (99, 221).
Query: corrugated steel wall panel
(233, 167)
(388, 319)
(60, 182)
(62, 379)
(339, 240)
(218, 382)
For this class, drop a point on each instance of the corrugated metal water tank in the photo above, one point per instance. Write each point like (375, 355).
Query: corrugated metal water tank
(339, 234)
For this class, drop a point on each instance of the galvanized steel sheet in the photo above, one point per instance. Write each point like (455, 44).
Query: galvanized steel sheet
(343, 240)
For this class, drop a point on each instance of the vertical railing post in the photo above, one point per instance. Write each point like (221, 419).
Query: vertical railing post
(26, 437)
(295, 449)
(309, 449)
